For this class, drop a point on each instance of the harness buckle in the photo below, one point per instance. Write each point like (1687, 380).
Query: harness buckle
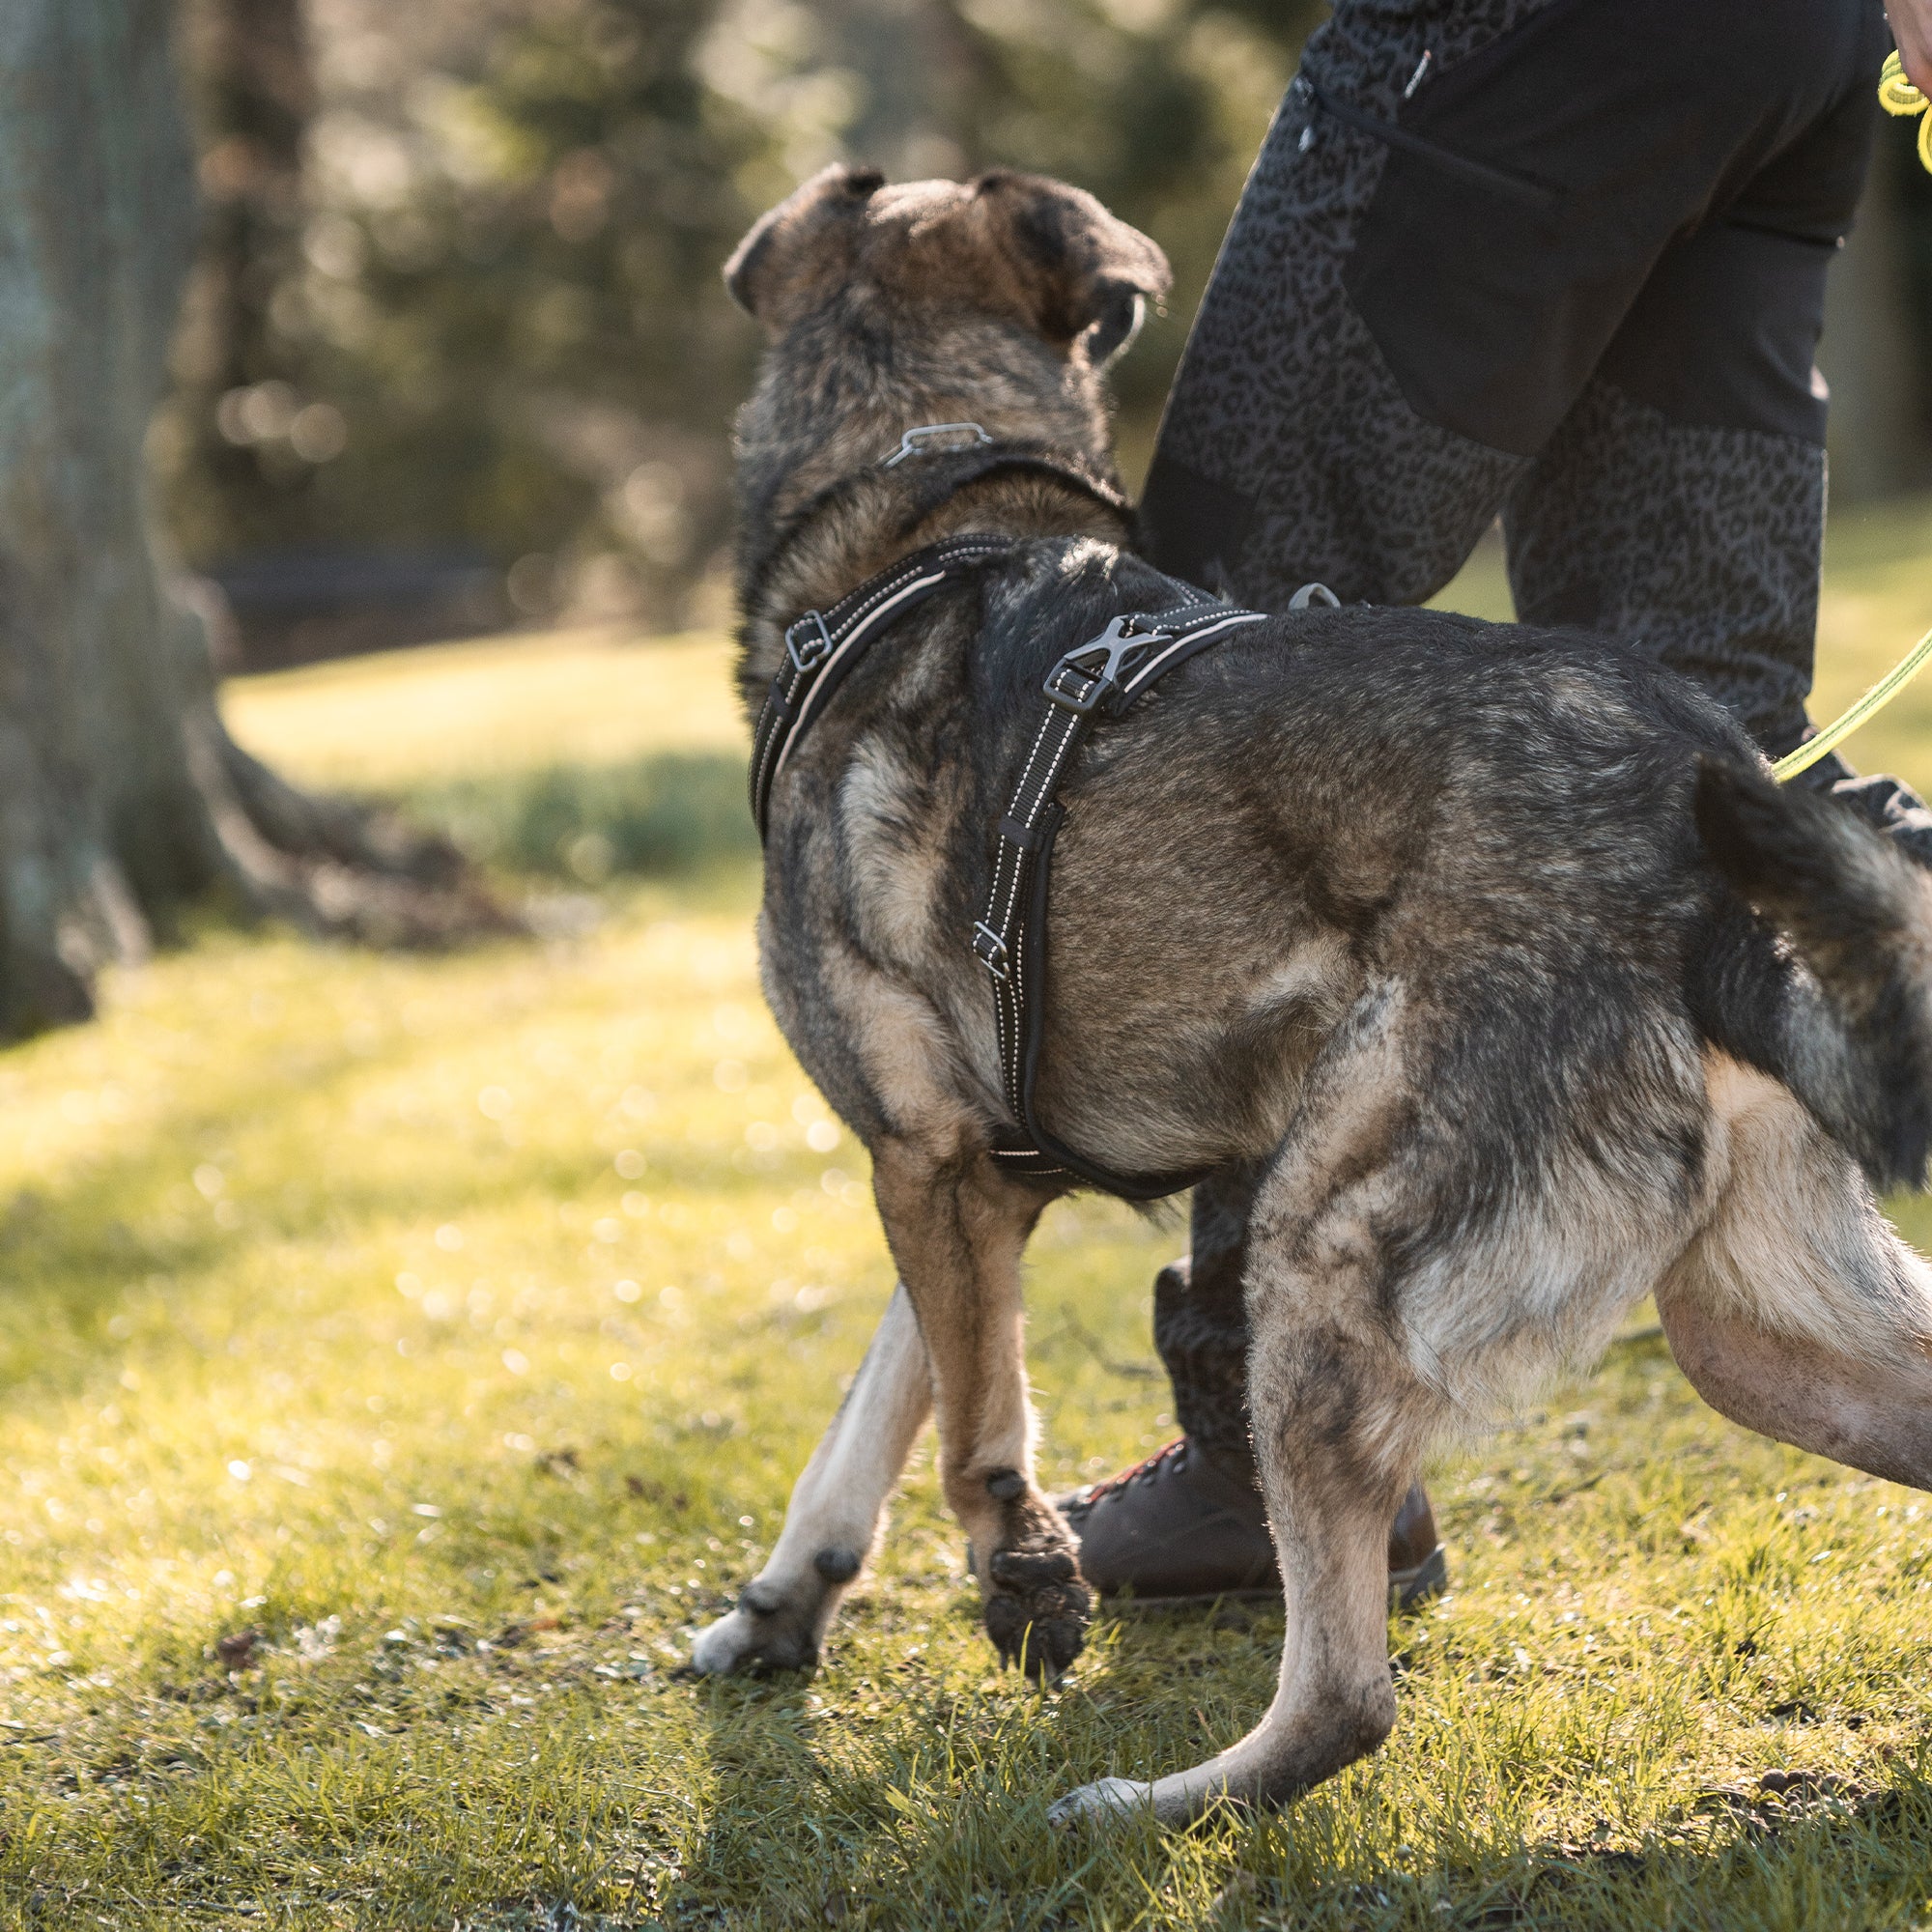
(914, 441)
(990, 950)
(810, 651)
(1084, 679)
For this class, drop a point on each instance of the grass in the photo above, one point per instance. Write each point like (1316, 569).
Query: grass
(400, 1356)
(578, 756)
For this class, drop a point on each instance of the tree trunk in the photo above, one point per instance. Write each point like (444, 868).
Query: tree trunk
(120, 795)
(253, 97)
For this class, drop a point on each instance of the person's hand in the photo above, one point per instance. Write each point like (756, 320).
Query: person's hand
(1912, 28)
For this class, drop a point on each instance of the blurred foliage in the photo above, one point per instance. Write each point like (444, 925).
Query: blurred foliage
(674, 812)
(488, 316)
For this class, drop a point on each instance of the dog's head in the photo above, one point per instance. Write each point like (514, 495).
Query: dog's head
(1012, 248)
(997, 301)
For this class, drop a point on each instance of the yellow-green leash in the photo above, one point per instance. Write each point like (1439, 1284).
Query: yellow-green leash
(1846, 723)
(1896, 96)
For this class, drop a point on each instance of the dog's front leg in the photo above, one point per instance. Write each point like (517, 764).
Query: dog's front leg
(957, 1229)
(835, 1511)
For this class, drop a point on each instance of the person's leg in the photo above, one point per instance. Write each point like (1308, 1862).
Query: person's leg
(1681, 499)
(1190, 1522)
(1288, 454)
(1396, 328)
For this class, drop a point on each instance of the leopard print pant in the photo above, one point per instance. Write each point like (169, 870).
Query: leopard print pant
(1291, 454)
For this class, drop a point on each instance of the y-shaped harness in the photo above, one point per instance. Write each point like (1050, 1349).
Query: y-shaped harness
(1099, 679)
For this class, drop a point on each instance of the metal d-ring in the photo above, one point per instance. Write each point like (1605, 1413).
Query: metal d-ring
(914, 441)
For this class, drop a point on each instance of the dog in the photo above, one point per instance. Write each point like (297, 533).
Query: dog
(1498, 946)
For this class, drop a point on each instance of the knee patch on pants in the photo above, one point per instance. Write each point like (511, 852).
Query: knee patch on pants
(1553, 201)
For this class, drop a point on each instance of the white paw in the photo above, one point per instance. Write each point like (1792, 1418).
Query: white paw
(726, 1645)
(1105, 1798)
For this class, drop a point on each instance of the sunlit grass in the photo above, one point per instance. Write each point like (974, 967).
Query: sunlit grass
(456, 1327)
(505, 705)
(585, 755)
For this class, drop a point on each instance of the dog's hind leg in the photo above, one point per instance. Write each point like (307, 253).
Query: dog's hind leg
(1798, 1312)
(834, 1512)
(957, 1227)
(1339, 1420)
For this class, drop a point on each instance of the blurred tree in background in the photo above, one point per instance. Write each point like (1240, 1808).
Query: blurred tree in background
(123, 798)
(459, 293)
(254, 94)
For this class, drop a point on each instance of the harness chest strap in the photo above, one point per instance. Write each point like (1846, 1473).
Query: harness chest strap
(822, 646)
(1102, 678)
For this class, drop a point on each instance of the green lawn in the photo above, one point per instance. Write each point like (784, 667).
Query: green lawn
(401, 1356)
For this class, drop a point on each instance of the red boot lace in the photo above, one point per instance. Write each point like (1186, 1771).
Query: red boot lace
(1146, 1470)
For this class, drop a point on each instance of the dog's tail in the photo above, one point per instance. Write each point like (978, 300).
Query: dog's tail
(1856, 1049)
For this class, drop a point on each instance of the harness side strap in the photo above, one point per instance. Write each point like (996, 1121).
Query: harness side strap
(1101, 677)
(822, 646)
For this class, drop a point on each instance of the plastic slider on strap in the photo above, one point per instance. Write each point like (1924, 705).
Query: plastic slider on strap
(1084, 679)
(990, 950)
(808, 642)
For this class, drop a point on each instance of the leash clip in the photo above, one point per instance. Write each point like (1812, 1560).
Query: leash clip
(810, 651)
(914, 441)
(1084, 679)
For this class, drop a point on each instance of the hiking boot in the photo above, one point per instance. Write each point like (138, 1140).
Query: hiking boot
(1179, 1529)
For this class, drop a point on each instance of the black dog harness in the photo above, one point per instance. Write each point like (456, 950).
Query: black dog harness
(823, 645)
(1099, 679)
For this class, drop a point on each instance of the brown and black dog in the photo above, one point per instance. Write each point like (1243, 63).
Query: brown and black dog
(1498, 945)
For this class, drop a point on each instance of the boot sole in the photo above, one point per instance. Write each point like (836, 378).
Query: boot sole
(1408, 1588)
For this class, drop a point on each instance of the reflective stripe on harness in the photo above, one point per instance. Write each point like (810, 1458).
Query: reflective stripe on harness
(822, 646)
(1102, 678)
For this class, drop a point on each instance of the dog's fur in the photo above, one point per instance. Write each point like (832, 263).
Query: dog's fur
(1498, 945)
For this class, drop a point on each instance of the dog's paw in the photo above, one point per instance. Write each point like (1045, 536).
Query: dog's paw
(1037, 1608)
(768, 1630)
(1100, 1803)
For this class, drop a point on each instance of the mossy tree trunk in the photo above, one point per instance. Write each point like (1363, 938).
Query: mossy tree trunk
(120, 795)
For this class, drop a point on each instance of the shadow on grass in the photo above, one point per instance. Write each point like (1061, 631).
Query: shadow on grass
(1818, 1851)
(824, 1812)
(669, 813)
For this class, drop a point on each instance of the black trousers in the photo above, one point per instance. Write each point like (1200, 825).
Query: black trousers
(1561, 261)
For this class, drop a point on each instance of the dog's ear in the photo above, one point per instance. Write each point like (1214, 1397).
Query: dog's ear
(1080, 267)
(792, 241)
